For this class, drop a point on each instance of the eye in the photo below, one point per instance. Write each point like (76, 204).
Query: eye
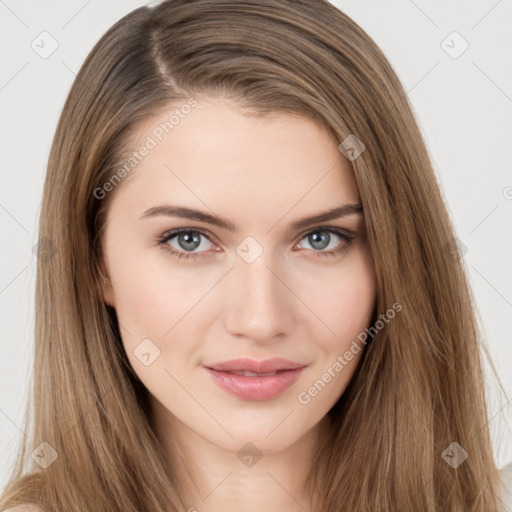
(321, 238)
(188, 242)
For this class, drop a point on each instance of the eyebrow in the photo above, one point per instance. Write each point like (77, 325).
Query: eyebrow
(189, 213)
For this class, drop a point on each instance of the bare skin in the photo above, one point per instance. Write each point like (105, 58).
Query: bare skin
(261, 174)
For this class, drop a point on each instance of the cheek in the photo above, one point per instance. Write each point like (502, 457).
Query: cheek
(339, 354)
(346, 307)
(146, 297)
(152, 295)
(158, 300)
(347, 302)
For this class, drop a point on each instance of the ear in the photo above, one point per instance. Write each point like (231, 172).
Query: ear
(106, 285)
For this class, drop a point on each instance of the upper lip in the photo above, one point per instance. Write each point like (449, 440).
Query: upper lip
(250, 365)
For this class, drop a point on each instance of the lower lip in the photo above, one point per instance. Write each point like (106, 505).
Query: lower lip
(255, 388)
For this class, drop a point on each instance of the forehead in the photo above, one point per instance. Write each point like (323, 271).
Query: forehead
(215, 156)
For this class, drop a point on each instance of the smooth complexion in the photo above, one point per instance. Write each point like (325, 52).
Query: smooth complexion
(293, 301)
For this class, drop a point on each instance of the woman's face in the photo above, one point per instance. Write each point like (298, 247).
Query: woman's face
(247, 278)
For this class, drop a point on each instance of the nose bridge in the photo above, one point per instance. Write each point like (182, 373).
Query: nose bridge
(260, 304)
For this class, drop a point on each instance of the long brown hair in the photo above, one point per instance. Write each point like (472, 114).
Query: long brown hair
(419, 386)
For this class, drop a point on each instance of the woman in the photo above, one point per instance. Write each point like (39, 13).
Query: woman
(253, 299)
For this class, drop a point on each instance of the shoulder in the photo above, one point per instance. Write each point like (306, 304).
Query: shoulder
(506, 485)
(24, 508)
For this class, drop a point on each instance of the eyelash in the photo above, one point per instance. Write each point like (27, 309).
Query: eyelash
(168, 235)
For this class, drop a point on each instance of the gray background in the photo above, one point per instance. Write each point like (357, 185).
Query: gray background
(463, 105)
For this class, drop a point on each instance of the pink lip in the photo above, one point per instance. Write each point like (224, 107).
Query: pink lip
(255, 387)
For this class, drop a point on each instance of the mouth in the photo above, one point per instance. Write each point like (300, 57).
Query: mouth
(255, 384)
(252, 374)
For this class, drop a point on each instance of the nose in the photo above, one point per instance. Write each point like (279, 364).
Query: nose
(260, 305)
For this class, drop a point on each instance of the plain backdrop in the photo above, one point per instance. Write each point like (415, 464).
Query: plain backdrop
(454, 59)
